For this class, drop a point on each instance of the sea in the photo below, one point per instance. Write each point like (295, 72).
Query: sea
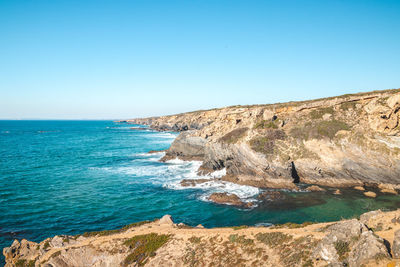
(71, 177)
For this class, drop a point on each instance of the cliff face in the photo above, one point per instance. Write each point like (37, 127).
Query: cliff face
(339, 141)
(373, 240)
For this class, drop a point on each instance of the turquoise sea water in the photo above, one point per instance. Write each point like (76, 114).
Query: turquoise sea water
(70, 177)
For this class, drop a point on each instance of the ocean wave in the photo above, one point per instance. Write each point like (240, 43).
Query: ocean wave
(172, 172)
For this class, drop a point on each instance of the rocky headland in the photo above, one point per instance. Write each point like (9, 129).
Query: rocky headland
(371, 240)
(345, 141)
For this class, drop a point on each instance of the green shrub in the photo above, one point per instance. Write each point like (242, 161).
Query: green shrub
(265, 143)
(235, 238)
(144, 246)
(234, 136)
(318, 113)
(195, 239)
(319, 130)
(348, 105)
(273, 238)
(25, 263)
(342, 248)
(266, 124)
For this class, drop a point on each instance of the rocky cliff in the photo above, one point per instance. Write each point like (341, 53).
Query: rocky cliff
(340, 141)
(371, 240)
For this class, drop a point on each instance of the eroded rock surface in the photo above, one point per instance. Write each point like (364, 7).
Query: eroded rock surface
(343, 141)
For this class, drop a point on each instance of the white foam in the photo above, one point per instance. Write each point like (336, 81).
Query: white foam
(170, 175)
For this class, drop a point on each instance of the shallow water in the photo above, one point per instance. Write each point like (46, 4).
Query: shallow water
(69, 177)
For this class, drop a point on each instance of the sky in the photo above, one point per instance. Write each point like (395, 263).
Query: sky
(124, 59)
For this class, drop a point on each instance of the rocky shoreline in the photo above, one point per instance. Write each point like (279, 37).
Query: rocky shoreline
(344, 141)
(371, 240)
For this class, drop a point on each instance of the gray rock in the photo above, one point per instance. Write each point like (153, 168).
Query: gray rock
(364, 218)
(343, 232)
(396, 245)
(368, 247)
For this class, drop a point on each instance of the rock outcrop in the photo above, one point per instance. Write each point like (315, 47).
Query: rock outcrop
(350, 140)
(229, 199)
(164, 243)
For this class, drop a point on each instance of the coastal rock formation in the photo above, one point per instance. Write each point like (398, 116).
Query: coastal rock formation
(343, 141)
(229, 199)
(164, 243)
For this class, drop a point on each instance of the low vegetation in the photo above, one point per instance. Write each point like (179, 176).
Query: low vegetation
(320, 112)
(266, 142)
(144, 246)
(291, 225)
(273, 239)
(319, 129)
(115, 231)
(25, 263)
(342, 249)
(266, 124)
(234, 136)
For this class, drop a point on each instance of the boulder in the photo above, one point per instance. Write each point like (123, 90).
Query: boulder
(368, 247)
(333, 247)
(364, 218)
(396, 245)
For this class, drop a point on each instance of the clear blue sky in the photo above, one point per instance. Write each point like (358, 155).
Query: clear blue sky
(123, 59)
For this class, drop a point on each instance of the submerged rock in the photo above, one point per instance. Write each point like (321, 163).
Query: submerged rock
(193, 182)
(229, 199)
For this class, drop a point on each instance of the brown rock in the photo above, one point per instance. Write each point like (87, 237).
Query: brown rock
(315, 188)
(360, 188)
(228, 199)
(337, 192)
(370, 194)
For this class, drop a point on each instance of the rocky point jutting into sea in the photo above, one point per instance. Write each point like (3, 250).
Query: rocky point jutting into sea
(345, 141)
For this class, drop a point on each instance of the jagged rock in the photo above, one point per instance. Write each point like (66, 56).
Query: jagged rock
(396, 245)
(166, 219)
(229, 199)
(315, 188)
(370, 194)
(368, 247)
(344, 232)
(200, 226)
